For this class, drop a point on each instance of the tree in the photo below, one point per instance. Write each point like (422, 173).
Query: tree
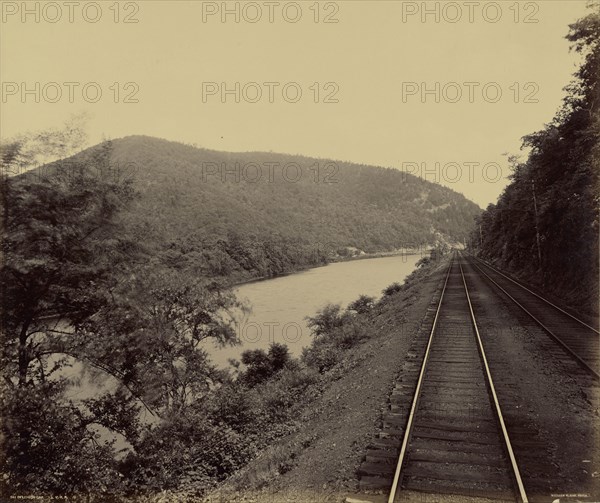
(545, 224)
(152, 336)
(28, 150)
(76, 287)
(60, 248)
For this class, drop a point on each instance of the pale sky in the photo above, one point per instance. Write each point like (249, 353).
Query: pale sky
(374, 51)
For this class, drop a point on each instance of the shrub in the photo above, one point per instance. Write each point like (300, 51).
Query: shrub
(188, 447)
(326, 319)
(277, 401)
(233, 405)
(423, 261)
(392, 289)
(262, 365)
(362, 305)
(296, 380)
(350, 334)
(322, 357)
(49, 449)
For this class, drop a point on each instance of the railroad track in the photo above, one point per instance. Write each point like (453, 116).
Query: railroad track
(453, 438)
(577, 339)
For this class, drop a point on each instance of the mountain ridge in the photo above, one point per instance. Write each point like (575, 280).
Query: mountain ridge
(297, 211)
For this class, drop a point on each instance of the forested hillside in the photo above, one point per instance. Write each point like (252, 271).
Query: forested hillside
(261, 214)
(544, 227)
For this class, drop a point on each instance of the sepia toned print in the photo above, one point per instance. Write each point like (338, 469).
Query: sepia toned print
(300, 251)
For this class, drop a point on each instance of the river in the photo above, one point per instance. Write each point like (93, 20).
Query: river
(279, 310)
(280, 305)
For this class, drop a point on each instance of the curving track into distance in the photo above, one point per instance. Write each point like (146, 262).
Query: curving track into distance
(455, 440)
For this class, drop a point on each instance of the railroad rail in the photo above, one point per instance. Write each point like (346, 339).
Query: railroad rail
(578, 339)
(455, 440)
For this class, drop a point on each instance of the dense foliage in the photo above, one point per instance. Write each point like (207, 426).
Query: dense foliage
(545, 224)
(78, 292)
(203, 211)
(62, 252)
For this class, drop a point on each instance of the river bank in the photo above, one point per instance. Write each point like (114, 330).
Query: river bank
(396, 253)
(280, 307)
(319, 459)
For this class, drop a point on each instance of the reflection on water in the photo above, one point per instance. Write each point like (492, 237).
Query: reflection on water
(280, 305)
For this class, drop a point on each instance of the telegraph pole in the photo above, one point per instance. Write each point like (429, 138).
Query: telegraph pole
(537, 229)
